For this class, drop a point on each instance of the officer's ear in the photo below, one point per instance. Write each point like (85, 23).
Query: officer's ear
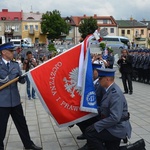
(3, 52)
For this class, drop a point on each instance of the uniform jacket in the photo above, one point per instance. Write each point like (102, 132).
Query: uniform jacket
(99, 90)
(9, 96)
(149, 62)
(113, 109)
(141, 65)
(146, 63)
(138, 61)
(134, 60)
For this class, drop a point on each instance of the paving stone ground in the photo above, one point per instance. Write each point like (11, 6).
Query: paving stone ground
(45, 133)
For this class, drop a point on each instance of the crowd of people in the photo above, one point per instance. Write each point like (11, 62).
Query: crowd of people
(140, 65)
(104, 61)
(134, 65)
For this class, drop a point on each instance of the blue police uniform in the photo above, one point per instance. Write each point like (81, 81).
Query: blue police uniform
(10, 103)
(10, 95)
(114, 110)
(114, 122)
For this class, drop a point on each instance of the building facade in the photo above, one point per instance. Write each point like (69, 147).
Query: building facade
(21, 25)
(107, 22)
(135, 30)
(10, 24)
(147, 23)
(31, 28)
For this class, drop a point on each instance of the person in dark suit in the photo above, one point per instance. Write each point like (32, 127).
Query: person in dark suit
(125, 63)
(10, 103)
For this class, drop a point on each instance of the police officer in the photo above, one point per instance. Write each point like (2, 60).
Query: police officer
(141, 66)
(145, 66)
(114, 122)
(10, 99)
(137, 66)
(134, 60)
(148, 71)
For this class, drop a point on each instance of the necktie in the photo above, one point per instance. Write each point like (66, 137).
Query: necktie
(8, 65)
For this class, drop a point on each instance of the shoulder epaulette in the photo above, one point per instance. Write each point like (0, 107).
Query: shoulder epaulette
(14, 61)
(113, 90)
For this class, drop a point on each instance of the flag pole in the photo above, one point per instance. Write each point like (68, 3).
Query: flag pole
(14, 80)
(11, 81)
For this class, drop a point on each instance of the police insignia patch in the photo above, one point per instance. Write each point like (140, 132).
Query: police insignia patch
(113, 90)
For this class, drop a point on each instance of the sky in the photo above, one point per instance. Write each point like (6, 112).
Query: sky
(119, 9)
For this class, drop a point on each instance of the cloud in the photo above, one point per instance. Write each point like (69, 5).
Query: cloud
(138, 9)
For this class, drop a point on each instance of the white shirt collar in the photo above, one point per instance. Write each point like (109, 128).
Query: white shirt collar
(109, 87)
(5, 61)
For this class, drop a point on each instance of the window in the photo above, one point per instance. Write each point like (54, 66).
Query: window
(30, 18)
(31, 27)
(26, 27)
(142, 32)
(16, 28)
(122, 31)
(111, 30)
(16, 18)
(67, 21)
(104, 21)
(3, 18)
(110, 39)
(36, 27)
(137, 32)
(71, 30)
(128, 31)
(125, 41)
(8, 28)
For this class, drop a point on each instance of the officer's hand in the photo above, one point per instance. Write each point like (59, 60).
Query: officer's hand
(26, 61)
(90, 128)
(21, 79)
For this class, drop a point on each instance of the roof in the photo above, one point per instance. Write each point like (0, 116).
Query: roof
(70, 19)
(77, 20)
(32, 16)
(130, 23)
(147, 23)
(6, 15)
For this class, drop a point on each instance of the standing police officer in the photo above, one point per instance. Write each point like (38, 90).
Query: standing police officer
(10, 98)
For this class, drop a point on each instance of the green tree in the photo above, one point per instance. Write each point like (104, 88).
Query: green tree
(51, 47)
(87, 26)
(54, 25)
(102, 46)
